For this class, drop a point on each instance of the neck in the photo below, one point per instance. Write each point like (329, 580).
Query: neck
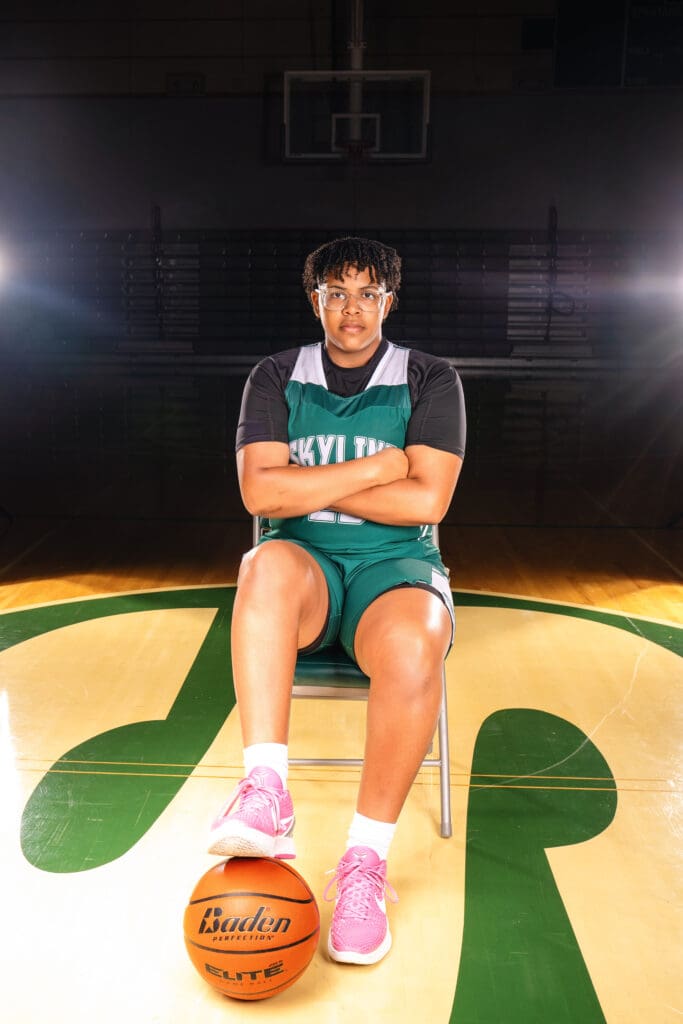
(351, 360)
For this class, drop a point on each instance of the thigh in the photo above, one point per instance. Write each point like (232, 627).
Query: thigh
(370, 581)
(335, 589)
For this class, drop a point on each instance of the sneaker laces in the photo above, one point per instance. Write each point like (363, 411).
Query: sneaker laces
(358, 889)
(257, 796)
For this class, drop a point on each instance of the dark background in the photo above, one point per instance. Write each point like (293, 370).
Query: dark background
(152, 237)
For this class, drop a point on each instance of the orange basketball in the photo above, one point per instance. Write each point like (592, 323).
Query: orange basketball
(251, 927)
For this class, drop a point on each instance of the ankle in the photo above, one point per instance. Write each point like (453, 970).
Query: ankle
(377, 835)
(268, 755)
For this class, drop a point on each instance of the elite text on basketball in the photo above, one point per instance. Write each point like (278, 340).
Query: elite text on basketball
(267, 972)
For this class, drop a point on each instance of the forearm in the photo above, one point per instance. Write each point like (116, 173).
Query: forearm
(401, 503)
(286, 491)
(420, 498)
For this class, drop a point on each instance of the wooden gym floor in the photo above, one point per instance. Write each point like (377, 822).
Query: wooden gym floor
(558, 899)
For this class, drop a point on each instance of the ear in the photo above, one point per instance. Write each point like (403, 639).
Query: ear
(315, 302)
(388, 303)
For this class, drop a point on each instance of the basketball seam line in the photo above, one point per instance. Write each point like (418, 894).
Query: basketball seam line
(261, 895)
(252, 952)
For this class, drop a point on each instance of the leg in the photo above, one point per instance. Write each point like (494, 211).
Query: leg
(401, 641)
(280, 607)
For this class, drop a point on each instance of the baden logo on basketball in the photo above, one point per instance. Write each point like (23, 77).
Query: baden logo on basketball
(214, 921)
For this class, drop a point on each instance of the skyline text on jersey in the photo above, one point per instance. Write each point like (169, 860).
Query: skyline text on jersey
(319, 449)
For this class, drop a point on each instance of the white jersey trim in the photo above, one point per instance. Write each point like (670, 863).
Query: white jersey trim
(392, 369)
(308, 368)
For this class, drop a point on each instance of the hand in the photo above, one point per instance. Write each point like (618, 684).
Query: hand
(391, 464)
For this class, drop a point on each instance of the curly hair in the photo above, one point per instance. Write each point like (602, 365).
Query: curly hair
(381, 261)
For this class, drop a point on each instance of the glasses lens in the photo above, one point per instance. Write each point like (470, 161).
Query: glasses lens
(337, 298)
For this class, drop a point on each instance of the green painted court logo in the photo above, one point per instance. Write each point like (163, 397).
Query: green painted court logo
(537, 782)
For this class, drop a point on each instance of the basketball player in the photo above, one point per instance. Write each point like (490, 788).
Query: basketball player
(349, 448)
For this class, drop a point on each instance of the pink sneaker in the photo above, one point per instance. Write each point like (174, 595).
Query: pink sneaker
(359, 933)
(263, 823)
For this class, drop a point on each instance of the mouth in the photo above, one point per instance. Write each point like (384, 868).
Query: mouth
(352, 328)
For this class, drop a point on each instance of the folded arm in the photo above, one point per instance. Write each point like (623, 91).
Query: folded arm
(422, 497)
(272, 486)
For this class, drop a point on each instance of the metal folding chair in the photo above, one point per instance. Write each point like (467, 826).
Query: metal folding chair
(330, 674)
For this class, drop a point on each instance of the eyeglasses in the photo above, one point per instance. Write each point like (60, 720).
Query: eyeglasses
(336, 298)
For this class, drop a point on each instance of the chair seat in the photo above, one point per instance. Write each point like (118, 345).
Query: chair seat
(330, 667)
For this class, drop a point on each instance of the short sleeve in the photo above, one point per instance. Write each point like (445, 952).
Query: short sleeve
(263, 413)
(438, 417)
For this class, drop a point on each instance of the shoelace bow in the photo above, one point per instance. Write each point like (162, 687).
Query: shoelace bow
(364, 885)
(260, 796)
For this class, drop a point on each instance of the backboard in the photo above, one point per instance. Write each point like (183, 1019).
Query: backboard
(377, 115)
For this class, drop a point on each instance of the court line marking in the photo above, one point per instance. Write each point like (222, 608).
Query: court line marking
(556, 602)
(455, 783)
(460, 590)
(218, 767)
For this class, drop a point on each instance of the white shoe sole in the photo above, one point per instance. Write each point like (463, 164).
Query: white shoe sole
(351, 956)
(234, 839)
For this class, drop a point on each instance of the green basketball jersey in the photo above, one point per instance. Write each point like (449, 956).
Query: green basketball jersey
(326, 428)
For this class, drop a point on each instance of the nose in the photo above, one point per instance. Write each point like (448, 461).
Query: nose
(352, 302)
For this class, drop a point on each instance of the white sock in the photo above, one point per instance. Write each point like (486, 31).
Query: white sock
(369, 832)
(267, 755)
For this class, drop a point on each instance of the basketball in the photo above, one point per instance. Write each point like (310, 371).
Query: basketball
(251, 927)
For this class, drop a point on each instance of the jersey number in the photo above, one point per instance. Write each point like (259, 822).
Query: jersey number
(328, 516)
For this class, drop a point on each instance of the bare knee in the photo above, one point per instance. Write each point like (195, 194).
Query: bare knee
(416, 654)
(284, 580)
(275, 564)
(408, 661)
(404, 635)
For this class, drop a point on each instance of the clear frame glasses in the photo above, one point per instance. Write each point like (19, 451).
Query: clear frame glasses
(369, 299)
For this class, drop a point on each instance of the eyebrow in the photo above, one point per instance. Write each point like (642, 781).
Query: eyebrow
(343, 288)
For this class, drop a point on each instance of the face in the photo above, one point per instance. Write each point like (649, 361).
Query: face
(352, 334)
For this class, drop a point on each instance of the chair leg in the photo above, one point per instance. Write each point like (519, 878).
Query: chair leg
(445, 766)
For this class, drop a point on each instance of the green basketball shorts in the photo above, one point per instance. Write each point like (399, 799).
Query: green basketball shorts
(354, 583)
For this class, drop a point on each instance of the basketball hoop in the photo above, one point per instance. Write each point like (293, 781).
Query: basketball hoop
(369, 116)
(355, 150)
